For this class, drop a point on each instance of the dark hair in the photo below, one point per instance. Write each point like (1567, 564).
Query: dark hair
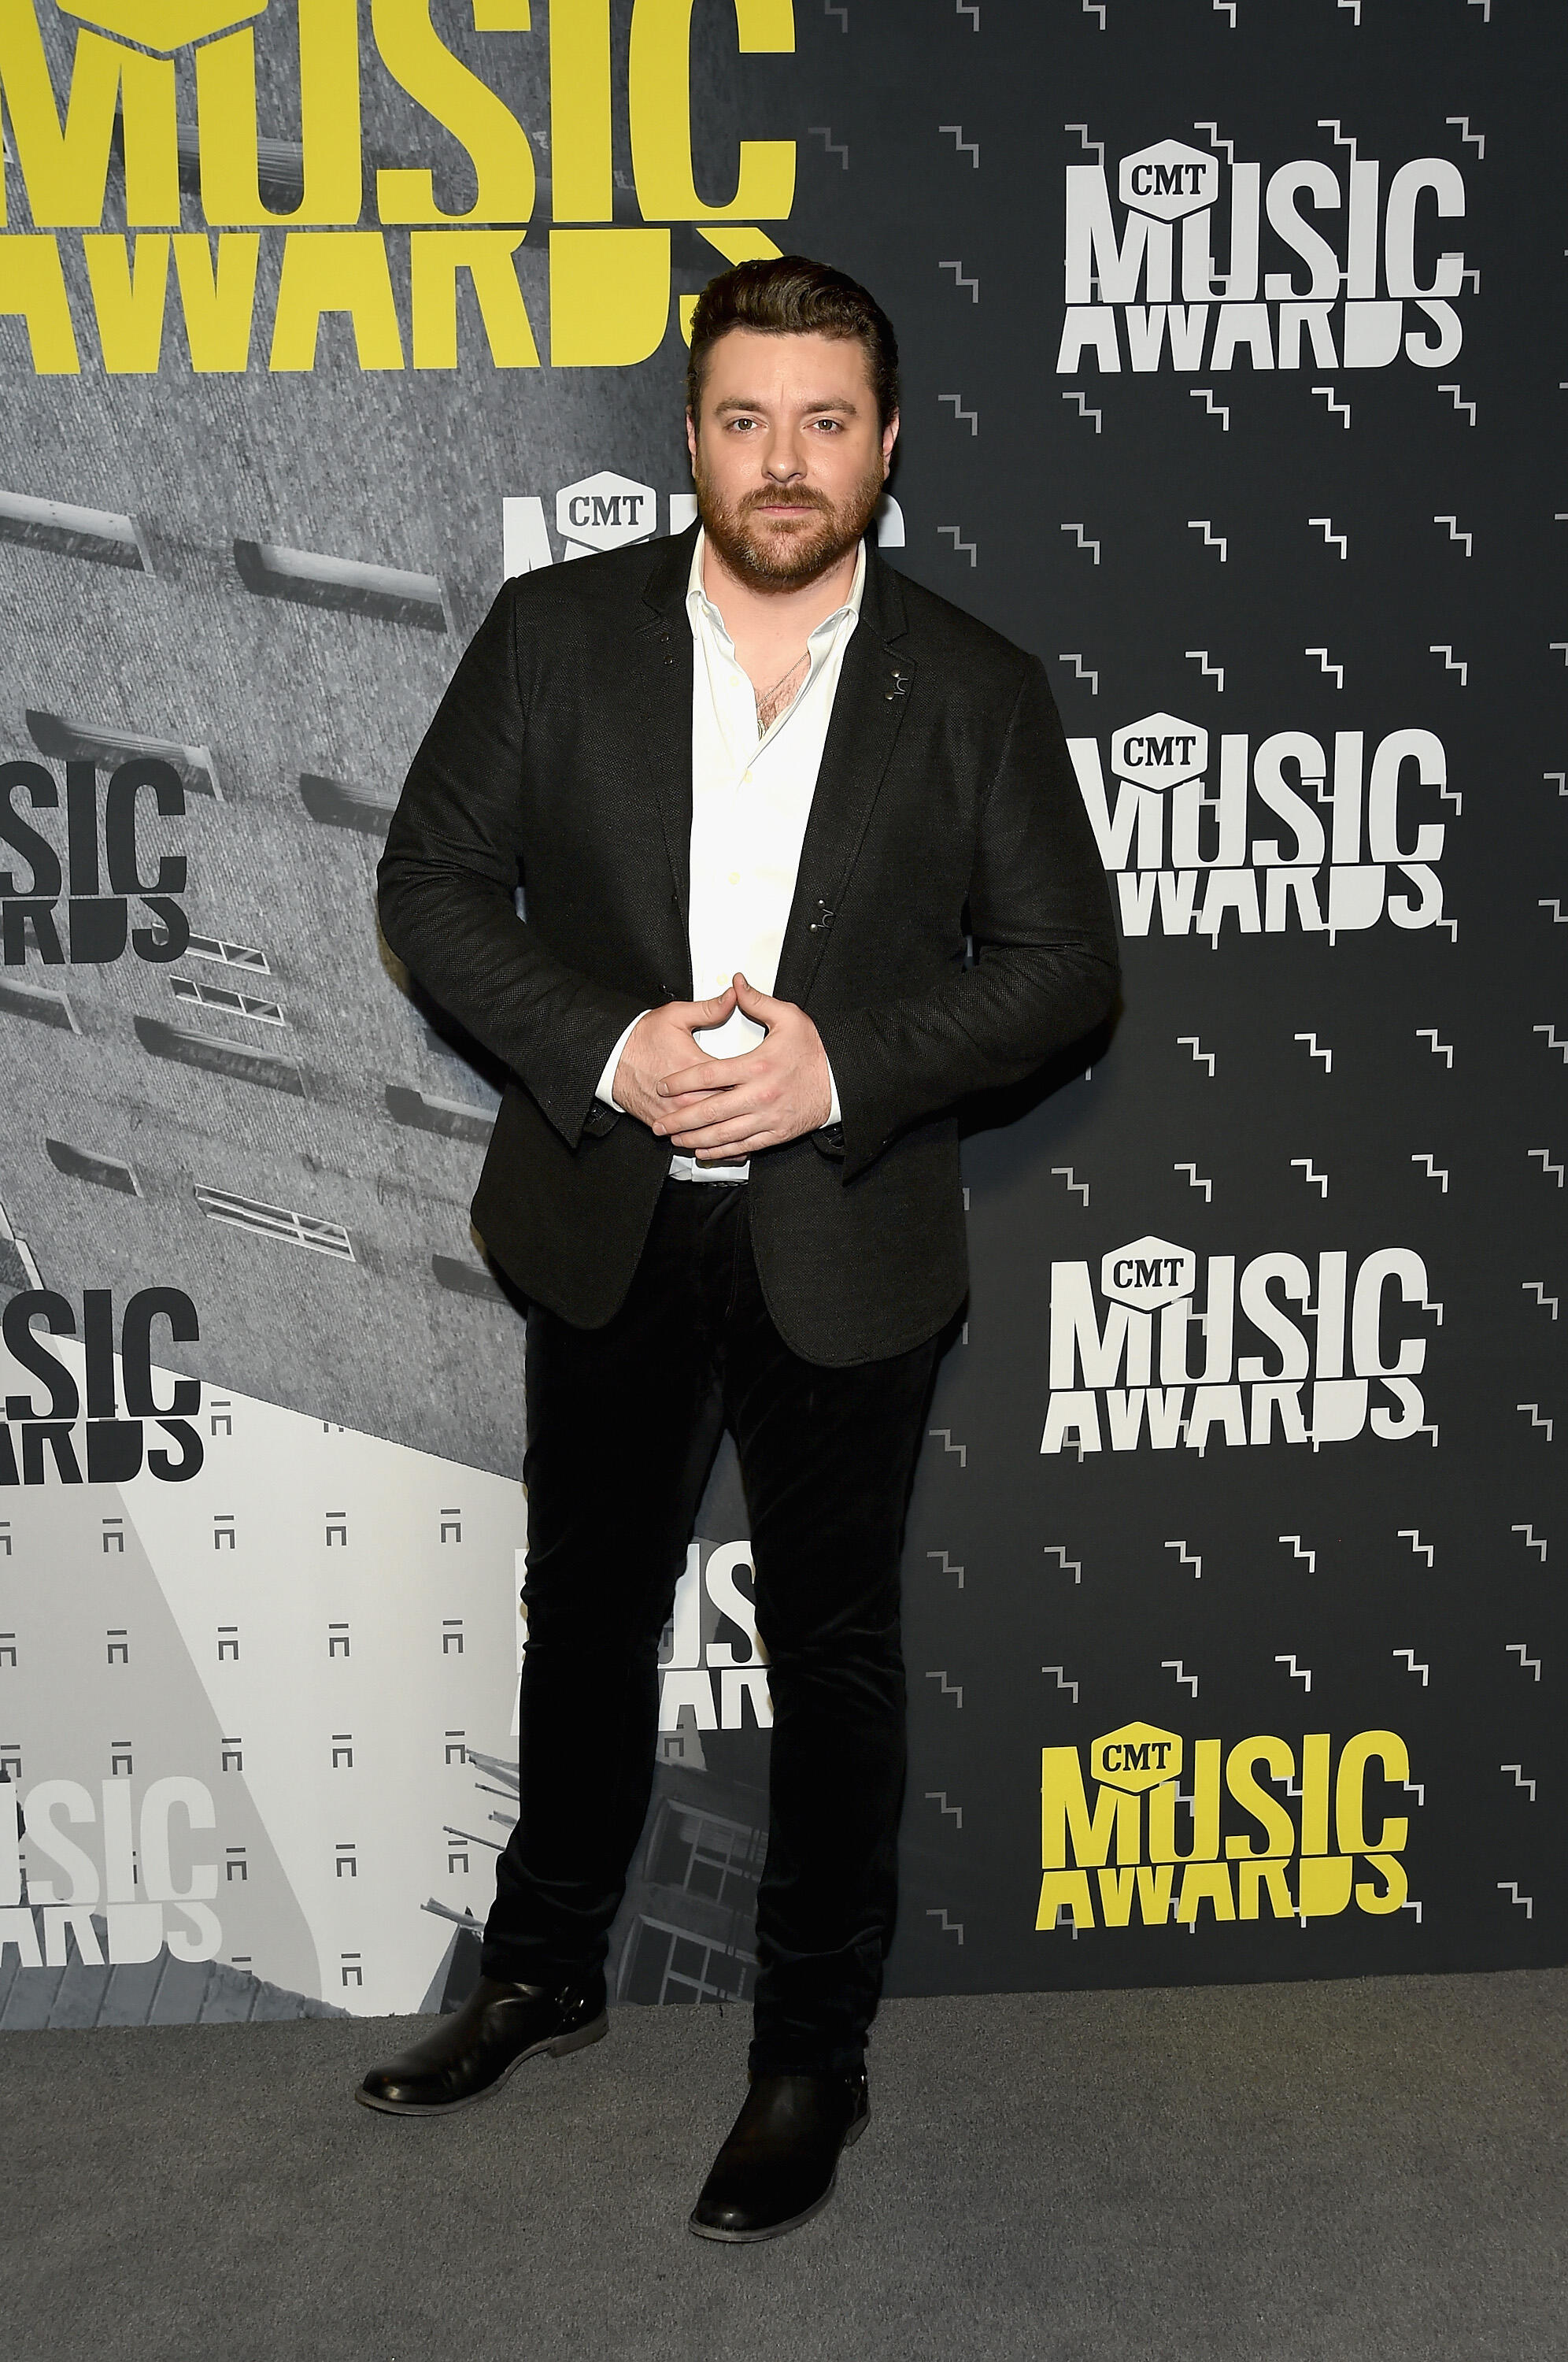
(789, 295)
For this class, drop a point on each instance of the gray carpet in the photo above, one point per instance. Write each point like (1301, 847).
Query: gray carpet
(1371, 2171)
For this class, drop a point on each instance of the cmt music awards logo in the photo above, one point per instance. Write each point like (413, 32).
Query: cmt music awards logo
(1289, 841)
(1134, 1367)
(1294, 1843)
(93, 1424)
(1324, 266)
(110, 119)
(92, 857)
(139, 1880)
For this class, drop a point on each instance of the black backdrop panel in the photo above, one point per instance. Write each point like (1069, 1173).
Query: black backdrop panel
(1290, 539)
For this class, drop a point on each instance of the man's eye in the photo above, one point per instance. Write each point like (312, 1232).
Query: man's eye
(836, 424)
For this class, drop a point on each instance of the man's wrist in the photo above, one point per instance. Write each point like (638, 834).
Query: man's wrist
(604, 1089)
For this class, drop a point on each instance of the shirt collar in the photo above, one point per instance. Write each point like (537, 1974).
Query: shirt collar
(700, 606)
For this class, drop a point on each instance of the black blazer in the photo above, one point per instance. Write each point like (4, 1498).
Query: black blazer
(945, 808)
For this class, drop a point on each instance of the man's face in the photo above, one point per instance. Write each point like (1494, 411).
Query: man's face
(788, 457)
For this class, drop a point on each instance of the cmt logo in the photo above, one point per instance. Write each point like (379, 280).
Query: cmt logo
(1159, 752)
(1128, 1375)
(1290, 837)
(1148, 1273)
(165, 24)
(1269, 1828)
(605, 511)
(1136, 1758)
(1324, 264)
(1168, 181)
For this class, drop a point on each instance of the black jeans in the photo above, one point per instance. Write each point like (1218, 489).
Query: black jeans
(623, 1423)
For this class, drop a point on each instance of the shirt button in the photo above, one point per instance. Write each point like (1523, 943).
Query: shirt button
(734, 878)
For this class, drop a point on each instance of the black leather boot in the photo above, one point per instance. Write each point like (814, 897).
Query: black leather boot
(778, 2166)
(471, 2053)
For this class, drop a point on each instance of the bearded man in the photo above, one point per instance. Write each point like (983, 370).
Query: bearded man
(803, 864)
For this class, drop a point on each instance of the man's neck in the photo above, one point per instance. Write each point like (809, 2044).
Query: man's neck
(758, 618)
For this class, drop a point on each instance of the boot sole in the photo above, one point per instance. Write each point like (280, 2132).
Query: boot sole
(557, 2045)
(776, 2230)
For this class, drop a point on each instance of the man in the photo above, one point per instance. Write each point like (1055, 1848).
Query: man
(803, 862)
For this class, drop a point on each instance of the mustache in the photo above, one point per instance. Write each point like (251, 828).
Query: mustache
(782, 500)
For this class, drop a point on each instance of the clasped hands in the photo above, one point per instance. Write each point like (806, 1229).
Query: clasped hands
(721, 1110)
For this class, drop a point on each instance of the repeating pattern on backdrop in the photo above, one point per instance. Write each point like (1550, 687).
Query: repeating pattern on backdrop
(1233, 1636)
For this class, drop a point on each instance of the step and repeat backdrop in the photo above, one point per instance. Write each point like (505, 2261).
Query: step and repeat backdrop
(1234, 367)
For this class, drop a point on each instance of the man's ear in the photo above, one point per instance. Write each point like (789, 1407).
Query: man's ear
(692, 437)
(890, 437)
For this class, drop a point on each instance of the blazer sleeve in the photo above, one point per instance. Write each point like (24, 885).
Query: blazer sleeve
(447, 888)
(1045, 969)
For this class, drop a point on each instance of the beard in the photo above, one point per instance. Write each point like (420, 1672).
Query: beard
(772, 559)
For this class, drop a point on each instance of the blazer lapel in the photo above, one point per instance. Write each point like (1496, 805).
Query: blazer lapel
(868, 710)
(659, 680)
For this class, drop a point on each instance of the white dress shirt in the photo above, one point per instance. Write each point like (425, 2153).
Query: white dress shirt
(751, 798)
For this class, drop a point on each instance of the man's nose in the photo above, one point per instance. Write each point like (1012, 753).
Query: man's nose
(782, 460)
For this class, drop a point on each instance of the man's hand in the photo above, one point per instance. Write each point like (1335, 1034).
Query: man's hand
(656, 1044)
(721, 1109)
